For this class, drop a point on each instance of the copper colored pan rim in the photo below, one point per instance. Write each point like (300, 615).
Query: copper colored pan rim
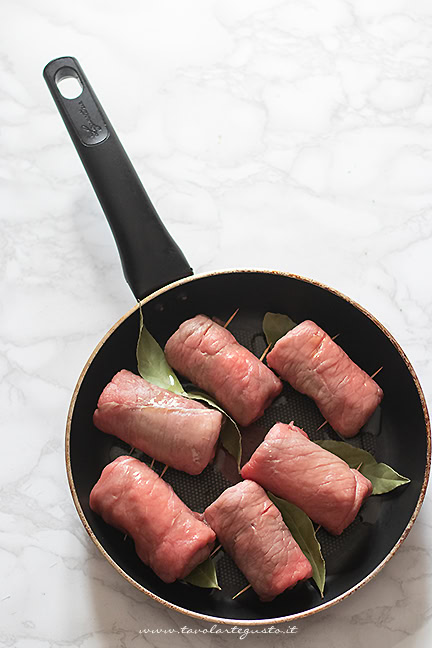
(252, 622)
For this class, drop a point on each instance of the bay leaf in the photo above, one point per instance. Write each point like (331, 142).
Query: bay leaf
(230, 434)
(382, 477)
(275, 326)
(204, 575)
(351, 455)
(304, 534)
(231, 440)
(152, 364)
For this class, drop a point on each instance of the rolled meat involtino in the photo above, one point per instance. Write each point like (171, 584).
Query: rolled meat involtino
(174, 430)
(210, 357)
(291, 466)
(312, 363)
(252, 531)
(168, 536)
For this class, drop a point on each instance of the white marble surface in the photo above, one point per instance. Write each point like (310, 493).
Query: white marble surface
(288, 134)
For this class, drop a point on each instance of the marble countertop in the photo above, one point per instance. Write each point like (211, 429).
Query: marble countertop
(285, 134)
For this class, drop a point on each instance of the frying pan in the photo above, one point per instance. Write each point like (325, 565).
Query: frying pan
(161, 279)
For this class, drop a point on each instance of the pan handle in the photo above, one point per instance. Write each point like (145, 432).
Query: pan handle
(149, 255)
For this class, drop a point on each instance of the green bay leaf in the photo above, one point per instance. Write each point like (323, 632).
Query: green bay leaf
(275, 326)
(382, 477)
(353, 456)
(152, 364)
(230, 434)
(204, 575)
(304, 534)
(231, 440)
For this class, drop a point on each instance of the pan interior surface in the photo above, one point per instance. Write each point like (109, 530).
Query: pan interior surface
(397, 434)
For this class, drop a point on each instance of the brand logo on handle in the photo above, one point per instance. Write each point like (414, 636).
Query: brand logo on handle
(92, 129)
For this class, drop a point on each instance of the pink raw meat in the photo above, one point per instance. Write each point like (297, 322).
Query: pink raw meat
(168, 536)
(175, 430)
(251, 529)
(313, 364)
(210, 356)
(291, 466)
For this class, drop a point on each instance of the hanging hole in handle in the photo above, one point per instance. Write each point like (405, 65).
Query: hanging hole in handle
(68, 83)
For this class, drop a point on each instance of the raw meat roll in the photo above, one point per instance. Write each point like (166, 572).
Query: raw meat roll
(313, 364)
(174, 430)
(291, 466)
(210, 356)
(251, 529)
(168, 536)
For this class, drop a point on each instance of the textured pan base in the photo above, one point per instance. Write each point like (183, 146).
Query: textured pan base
(199, 492)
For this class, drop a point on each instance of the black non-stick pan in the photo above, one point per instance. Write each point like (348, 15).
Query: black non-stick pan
(160, 277)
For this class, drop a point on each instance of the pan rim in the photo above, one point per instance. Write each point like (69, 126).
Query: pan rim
(223, 620)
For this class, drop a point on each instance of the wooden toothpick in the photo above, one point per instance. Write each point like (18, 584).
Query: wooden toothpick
(230, 319)
(215, 550)
(321, 426)
(376, 372)
(241, 591)
(164, 470)
(266, 351)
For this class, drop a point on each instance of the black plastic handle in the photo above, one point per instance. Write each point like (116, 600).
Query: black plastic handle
(149, 255)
